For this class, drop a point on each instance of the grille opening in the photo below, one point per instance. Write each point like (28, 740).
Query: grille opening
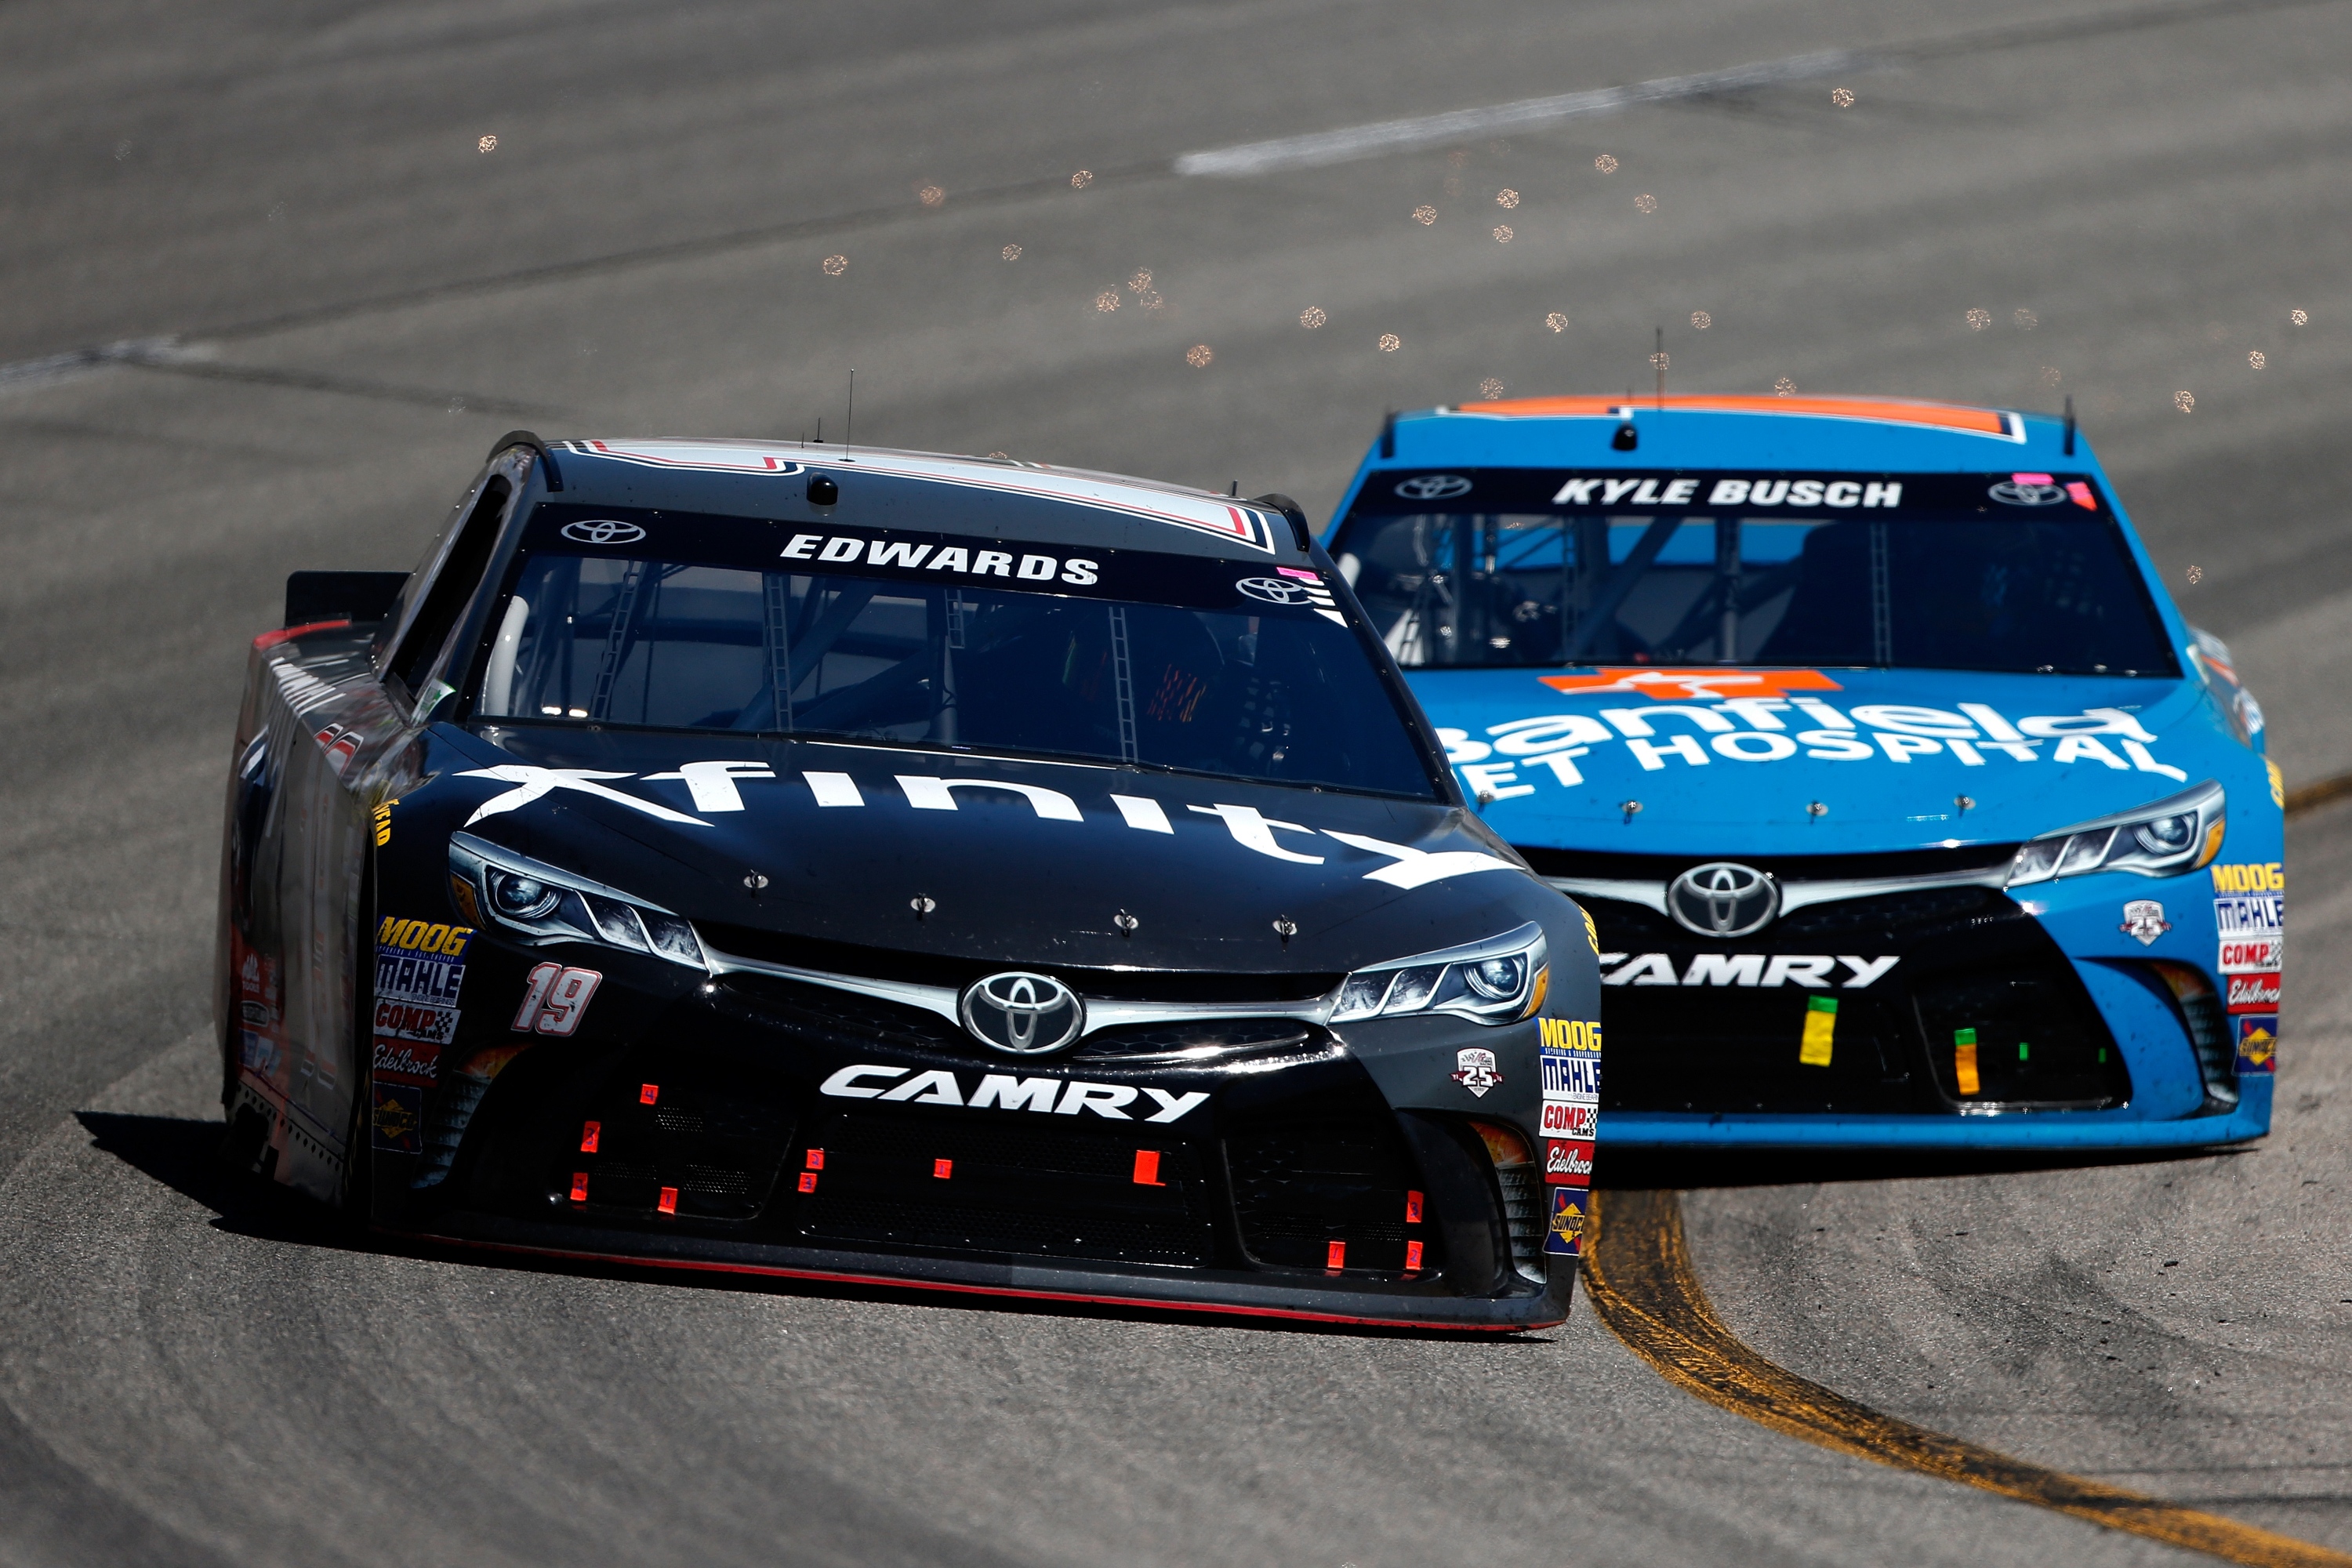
(1299, 1186)
(2025, 1034)
(1740, 1049)
(713, 1137)
(1526, 1214)
(1043, 1191)
(2208, 1031)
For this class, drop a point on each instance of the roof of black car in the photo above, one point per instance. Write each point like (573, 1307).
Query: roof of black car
(884, 489)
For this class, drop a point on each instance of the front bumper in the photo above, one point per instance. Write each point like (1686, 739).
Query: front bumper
(757, 1126)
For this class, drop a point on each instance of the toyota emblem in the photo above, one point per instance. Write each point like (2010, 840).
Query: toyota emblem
(602, 531)
(1276, 591)
(1023, 1013)
(1432, 487)
(1723, 897)
(2024, 490)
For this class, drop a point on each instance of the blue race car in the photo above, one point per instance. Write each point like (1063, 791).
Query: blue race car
(1910, 811)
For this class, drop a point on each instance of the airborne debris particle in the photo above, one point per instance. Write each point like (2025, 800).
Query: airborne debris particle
(2300, 318)
(1150, 300)
(2023, 320)
(2050, 376)
(2185, 401)
(930, 196)
(1011, 253)
(1106, 302)
(122, 151)
(1660, 359)
(1507, 198)
(1979, 320)
(1784, 387)
(1425, 216)
(2196, 575)
(834, 266)
(1605, 163)
(1843, 97)
(1082, 179)
(488, 144)
(1701, 320)
(1312, 317)
(1390, 343)
(1556, 322)
(1502, 233)
(1491, 387)
(1648, 204)
(1001, 455)
(2256, 358)
(1198, 356)
(1140, 281)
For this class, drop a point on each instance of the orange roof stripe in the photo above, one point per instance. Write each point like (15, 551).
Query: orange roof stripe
(1897, 411)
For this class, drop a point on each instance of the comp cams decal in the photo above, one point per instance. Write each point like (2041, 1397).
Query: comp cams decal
(2250, 918)
(1695, 719)
(1004, 1091)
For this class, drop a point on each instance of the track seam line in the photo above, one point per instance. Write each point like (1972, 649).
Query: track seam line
(1641, 1282)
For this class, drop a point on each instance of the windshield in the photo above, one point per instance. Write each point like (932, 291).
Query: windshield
(1998, 572)
(1165, 661)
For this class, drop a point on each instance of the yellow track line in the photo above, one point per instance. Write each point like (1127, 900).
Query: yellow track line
(1641, 1281)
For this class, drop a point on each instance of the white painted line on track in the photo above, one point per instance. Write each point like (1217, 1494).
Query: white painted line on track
(1355, 142)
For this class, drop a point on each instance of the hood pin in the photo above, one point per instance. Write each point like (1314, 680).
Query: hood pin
(1816, 808)
(753, 881)
(923, 905)
(1285, 928)
(1964, 801)
(1126, 923)
(1631, 808)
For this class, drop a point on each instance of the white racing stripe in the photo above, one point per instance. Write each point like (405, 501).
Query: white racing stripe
(1527, 114)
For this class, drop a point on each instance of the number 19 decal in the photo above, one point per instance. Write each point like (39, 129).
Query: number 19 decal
(556, 999)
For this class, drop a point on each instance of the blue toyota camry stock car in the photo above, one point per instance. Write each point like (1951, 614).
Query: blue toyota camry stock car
(1910, 810)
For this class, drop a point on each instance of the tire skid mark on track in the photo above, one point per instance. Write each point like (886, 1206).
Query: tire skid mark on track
(1641, 1282)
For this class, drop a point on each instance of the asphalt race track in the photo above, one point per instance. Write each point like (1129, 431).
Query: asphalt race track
(265, 304)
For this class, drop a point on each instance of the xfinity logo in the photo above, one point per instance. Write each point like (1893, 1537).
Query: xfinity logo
(1023, 1013)
(1723, 899)
(1810, 971)
(1001, 1091)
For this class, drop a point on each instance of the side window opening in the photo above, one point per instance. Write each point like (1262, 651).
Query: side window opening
(444, 600)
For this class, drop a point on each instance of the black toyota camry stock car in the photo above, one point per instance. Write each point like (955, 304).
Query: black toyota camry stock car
(881, 866)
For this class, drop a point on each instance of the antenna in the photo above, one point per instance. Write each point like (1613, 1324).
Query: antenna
(820, 429)
(1235, 489)
(852, 429)
(2070, 424)
(1658, 361)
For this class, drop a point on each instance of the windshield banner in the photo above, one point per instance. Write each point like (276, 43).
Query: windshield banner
(1698, 490)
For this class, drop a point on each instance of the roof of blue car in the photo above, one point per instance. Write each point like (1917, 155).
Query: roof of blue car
(1706, 430)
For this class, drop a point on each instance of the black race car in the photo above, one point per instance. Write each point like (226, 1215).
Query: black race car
(900, 868)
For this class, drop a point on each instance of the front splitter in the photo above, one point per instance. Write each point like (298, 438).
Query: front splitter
(1218, 1292)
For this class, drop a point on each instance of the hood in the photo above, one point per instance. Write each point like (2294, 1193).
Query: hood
(991, 859)
(1788, 761)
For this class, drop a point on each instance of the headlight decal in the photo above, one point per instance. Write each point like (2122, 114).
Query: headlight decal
(2164, 838)
(543, 903)
(1500, 980)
